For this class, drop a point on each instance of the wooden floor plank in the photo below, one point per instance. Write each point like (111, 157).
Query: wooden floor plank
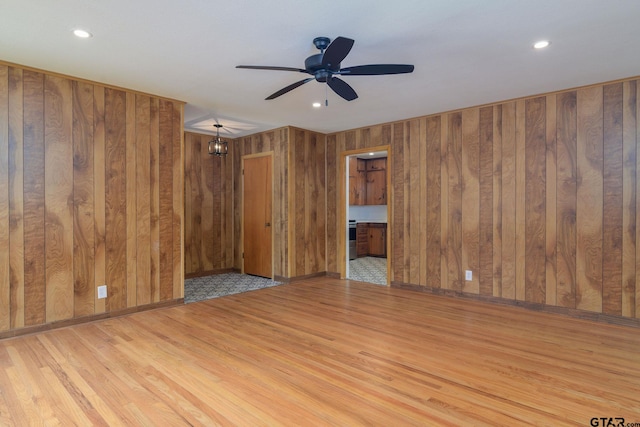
(325, 352)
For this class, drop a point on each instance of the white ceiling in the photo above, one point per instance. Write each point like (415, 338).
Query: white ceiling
(465, 52)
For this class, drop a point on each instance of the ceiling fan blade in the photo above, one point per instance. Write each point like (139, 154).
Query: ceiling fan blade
(376, 69)
(336, 52)
(342, 88)
(288, 88)
(264, 67)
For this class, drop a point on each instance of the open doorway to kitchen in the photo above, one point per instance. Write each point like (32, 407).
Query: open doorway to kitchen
(367, 212)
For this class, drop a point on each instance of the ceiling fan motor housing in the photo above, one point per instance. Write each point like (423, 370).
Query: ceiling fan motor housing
(313, 65)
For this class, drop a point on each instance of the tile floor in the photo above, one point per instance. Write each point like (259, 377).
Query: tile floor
(364, 269)
(219, 285)
(369, 269)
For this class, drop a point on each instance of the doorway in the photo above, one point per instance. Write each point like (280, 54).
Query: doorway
(257, 231)
(367, 201)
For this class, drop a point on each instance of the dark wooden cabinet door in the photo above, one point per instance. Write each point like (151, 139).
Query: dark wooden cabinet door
(377, 240)
(357, 182)
(353, 191)
(362, 240)
(377, 164)
(376, 187)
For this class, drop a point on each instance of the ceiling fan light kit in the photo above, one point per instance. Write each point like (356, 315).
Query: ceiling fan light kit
(325, 66)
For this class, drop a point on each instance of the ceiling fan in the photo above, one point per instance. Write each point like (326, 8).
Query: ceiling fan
(325, 66)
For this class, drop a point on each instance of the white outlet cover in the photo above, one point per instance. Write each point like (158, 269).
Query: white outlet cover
(102, 292)
(468, 275)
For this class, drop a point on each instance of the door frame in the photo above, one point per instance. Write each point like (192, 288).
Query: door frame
(242, 159)
(343, 179)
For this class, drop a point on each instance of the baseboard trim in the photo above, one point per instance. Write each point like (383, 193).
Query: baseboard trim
(299, 278)
(565, 311)
(211, 273)
(87, 319)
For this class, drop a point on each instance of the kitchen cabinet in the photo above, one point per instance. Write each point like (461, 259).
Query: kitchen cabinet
(378, 240)
(376, 164)
(371, 239)
(376, 191)
(362, 239)
(367, 181)
(357, 181)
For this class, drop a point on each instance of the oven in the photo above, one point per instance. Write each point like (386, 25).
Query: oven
(352, 240)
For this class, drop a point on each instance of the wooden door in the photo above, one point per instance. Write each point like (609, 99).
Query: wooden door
(257, 199)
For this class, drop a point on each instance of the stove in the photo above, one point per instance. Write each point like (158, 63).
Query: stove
(353, 254)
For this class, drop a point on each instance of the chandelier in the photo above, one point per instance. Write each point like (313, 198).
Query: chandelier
(217, 146)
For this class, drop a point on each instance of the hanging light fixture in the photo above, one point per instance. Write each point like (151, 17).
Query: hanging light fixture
(217, 146)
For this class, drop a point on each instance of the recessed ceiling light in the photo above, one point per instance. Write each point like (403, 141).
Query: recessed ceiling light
(316, 105)
(83, 34)
(541, 44)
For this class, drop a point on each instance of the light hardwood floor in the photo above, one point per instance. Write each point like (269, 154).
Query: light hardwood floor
(324, 352)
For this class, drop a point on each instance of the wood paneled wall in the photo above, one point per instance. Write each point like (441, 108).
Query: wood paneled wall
(91, 193)
(307, 203)
(299, 198)
(537, 196)
(209, 237)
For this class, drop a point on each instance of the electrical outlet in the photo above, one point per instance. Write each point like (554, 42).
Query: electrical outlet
(102, 291)
(468, 275)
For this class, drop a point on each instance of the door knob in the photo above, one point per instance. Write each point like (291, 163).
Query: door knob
(267, 224)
